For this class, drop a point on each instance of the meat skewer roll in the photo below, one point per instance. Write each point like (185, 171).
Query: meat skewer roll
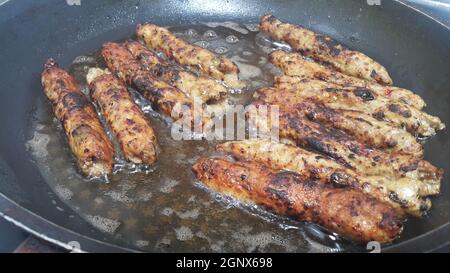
(323, 48)
(293, 64)
(184, 53)
(346, 211)
(128, 123)
(87, 139)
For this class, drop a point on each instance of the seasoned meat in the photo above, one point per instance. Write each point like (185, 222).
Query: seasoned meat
(361, 99)
(167, 99)
(293, 64)
(423, 178)
(347, 211)
(315, 166)
(87, 138)
(380, 134)
(203, 87)
(184, 53)
(323, 48)
(126, 120)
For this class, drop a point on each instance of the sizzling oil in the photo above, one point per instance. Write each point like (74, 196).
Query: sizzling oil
(163, 208)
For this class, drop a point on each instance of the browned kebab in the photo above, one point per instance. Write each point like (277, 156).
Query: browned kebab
(294, 64)
(126, 120)
(412, 177)
(324, 49)
(87, 139)
(347, 211)
(161, 39)
(165, 98)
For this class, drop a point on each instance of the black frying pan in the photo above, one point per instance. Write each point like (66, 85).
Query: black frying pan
(414, 47)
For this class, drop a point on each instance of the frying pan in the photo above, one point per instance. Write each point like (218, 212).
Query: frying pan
(414, 47)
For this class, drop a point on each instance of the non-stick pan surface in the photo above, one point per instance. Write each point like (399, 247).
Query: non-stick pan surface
(414, 47)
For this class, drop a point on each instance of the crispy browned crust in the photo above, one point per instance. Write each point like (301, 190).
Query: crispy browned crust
(363, 100)
(323, 48)
(87, 138)
(315, 166)
(126, 120)
(194, 86)
(346, 211)
(184, 53)
(293, 64)
(165, 98)
(365, 128)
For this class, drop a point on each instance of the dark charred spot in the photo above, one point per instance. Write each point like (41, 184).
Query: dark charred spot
(338, 179)
(243, 177)
(363, 120)
(284, 178)
(390, 221)
(395, 108)
(317, 145)
(61, 83)
(330, 44)
(72, 100)
(374, 74)
(331, 90)
(81, 130)
(423, 206)
(354, 148)
(271, 18)
(376, 158)
(410, 167)
(364, 93)
(394, 197)
(311, 115)
(130, 121)
(378, 115)
(310, 184)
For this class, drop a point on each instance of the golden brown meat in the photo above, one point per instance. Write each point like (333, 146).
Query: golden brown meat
(87, 138)
(293, 64)
(126, 120)
(195, 86)
(167, 99)
(323, 48)
(184, 53)
(314, 166)
(363, 100)
(346, 211)
(365, 128)
(423, 178)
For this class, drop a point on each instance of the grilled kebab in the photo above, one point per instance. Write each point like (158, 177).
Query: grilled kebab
(346, 211)
(293, 64)
(323, 48)
(161, 39)
(354, 154)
